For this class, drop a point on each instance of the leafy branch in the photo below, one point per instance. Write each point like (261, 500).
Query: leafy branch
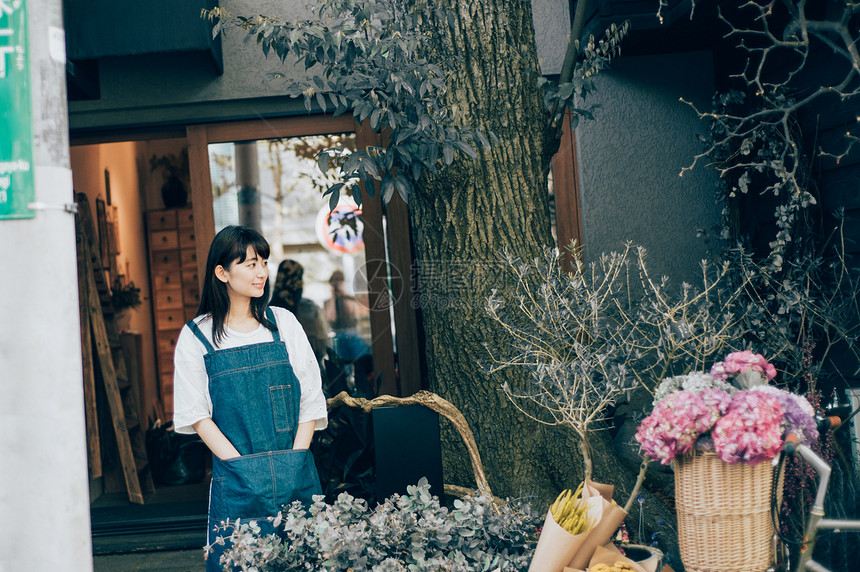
(364, 56)
(367, 56)
(756, 141)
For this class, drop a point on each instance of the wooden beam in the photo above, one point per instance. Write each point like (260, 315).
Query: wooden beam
(94, 452)
(103, 350)
(407, 327)
(377, 283)
(566, 185)
(278, 127)
(197, 137)
(123, 136)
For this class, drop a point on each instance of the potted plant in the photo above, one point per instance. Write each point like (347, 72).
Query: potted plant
(124, 298)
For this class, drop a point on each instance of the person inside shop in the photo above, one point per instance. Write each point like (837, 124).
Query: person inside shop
(343, 312)
(247, 382)
(287, 293)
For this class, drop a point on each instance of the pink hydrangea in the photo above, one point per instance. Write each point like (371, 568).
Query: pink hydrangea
(750, 431)
(678, 420)
(739, 362)
(716, 403)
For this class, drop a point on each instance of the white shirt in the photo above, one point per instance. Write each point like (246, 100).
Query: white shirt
(191, 400)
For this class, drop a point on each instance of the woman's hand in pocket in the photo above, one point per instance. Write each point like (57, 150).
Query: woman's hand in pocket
(217, 442)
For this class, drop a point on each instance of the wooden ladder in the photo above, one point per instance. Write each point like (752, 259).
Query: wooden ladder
(107, 348)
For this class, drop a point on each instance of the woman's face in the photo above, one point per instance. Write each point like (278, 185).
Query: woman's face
(246, 278)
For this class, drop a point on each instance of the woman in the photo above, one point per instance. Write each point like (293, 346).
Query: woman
(287, 293)
(246, 381)
(343, 312)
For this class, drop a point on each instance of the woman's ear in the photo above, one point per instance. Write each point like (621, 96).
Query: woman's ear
(221, 274)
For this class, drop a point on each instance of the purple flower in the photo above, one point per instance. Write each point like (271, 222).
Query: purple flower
(740, 426)
(799, 416)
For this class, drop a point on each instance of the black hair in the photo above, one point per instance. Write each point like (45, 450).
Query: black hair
(230, 246)
(288, 286)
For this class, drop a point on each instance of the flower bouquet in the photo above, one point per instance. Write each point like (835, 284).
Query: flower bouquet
(568, 524)
(719, 428)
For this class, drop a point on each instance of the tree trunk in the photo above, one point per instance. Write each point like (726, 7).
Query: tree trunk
(465, 215)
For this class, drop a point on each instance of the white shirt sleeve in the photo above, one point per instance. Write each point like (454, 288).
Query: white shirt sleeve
(312, 405)
(191, 401)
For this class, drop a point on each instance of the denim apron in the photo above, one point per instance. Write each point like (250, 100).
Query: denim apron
(255, 403)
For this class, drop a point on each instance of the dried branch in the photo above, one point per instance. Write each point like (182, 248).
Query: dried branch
(437, 404)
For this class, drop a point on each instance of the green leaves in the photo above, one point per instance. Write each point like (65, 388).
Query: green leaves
(594, 58)
(362, 55)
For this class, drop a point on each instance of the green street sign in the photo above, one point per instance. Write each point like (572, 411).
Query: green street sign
(17, 184)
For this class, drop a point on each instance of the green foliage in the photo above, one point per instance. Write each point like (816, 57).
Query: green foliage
(410, 532)
(755, 149)
(799, 292)
(172, 166)
(367, 54)
(125, 296)
(587, 338)
(595, 57)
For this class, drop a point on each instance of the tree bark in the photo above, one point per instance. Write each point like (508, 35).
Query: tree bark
(462, 218)
(466, 214)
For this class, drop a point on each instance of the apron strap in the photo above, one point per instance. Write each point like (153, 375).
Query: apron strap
(271, 316)
(193, 326)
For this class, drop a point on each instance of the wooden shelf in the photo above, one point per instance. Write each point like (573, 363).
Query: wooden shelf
(175, 288)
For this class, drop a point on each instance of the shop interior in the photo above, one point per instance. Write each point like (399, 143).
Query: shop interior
(141, 248)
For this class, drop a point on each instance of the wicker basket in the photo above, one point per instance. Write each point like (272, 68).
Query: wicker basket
(724, 514)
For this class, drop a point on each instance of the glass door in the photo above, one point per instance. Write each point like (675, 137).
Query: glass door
(264, 174)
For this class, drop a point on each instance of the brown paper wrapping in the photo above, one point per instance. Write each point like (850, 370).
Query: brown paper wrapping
(556, 547)
(611, 517)
(610, 555)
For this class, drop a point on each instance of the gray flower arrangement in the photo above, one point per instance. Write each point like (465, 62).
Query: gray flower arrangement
(405, 533)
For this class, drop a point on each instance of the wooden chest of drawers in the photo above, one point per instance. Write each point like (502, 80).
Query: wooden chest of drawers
(175, 288)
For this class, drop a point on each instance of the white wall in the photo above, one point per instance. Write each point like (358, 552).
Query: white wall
(45, 522)
(630, 158)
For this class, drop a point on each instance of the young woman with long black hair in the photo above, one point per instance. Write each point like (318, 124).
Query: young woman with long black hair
(247, 381)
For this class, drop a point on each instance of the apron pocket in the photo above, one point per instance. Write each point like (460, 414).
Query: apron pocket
(257, 486)
(285, 407)
(295, 477)
(245, 487)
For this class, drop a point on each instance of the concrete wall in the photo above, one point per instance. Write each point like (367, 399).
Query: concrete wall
(43, 472)
(629, 159)
(552, 30)
(183, 88)
(160, 89)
